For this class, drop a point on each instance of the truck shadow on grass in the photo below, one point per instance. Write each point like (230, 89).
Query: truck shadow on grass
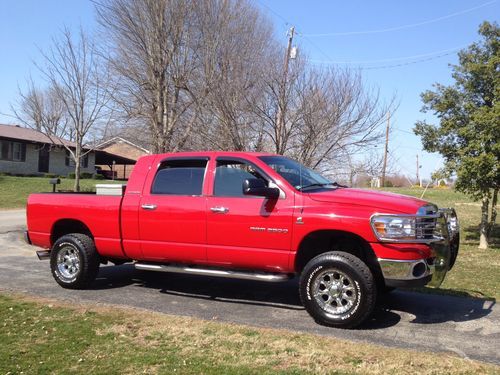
(412, 306)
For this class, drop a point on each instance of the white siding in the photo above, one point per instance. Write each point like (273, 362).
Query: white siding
(56, 163)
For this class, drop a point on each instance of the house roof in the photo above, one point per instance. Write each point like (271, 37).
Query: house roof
(107, 158)
(17, 132)
(120, 139)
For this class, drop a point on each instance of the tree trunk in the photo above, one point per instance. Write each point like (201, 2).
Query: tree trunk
(493, 214)
(483, 227)
(78, 156)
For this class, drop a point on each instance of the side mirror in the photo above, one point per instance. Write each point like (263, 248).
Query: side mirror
(255, 186)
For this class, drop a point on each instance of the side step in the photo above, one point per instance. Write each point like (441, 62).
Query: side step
(269, 277)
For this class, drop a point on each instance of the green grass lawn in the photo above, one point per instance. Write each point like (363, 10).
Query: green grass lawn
(14, 191)
(47, 337)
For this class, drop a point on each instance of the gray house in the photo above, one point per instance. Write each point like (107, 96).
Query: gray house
(26, 151)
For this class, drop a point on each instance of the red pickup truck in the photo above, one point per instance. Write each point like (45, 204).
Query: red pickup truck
(253, 216)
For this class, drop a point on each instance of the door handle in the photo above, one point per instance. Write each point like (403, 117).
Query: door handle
(149, 206)
(219, 210)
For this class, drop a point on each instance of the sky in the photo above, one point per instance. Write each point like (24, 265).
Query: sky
(400, 47)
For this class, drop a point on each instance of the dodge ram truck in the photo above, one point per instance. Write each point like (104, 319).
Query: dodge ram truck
(251, 216)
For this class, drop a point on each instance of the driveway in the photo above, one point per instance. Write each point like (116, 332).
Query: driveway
(467, 327)
(12, 220)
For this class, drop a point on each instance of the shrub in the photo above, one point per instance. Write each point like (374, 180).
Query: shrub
(99, 177)
(83, 175)
(50, 175)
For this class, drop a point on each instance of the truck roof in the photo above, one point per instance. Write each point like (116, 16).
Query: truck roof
(217, 153)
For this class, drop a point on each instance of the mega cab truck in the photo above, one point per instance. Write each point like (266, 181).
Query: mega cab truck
(253, 216)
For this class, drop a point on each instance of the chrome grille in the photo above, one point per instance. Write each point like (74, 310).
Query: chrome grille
(425, 226)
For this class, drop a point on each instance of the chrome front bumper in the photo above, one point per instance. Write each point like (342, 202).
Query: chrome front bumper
(431, 271)
(406, 269)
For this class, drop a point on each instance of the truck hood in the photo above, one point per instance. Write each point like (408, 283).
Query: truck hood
(382, 201)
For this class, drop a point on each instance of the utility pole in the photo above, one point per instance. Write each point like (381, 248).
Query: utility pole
(280, 116)
(386, 147)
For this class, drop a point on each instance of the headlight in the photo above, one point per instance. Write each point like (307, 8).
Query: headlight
(394, 227)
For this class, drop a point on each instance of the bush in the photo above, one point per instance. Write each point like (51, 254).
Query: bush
(83, 175)
(50, 175)
(99, 177)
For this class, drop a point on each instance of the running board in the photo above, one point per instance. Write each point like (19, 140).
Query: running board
(269, 277)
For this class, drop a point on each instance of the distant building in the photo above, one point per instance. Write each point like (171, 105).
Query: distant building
(375, 182)
(25, 151)
(124, 148)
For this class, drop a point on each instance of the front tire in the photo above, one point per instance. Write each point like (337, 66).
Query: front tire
(338, 290)
(74, 261)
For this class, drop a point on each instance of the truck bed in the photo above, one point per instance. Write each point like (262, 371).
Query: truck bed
(99, 213)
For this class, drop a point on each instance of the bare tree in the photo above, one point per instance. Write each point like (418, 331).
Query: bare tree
(339, 117)
(236, 43)
(42, 110)
(278, 108)
(77, 81)
(150, 52)
(210, 73)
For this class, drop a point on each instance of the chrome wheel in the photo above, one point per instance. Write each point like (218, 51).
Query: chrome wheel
(334, 291)
(68, 262)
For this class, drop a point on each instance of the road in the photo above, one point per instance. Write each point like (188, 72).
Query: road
(468, 327)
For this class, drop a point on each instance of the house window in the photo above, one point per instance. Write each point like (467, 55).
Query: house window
(12, 151)
(70, 162)
(17, 153)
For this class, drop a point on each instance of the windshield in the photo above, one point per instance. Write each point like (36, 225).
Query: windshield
(299, 176)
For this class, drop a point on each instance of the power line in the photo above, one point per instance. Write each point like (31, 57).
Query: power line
(401, 64)
(314, 45)
(404, 131)
(276, 13)
(287, 23)
(403, 27)
(430, 54)
(407, 63)
(330, 61)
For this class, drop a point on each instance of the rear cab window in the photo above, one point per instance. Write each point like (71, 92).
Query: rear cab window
(180, 177)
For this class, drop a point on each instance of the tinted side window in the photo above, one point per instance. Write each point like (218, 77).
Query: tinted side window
(229, 177)
(180, 177)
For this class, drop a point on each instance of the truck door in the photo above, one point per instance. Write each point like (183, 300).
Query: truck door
(242, 230)
(172, 212)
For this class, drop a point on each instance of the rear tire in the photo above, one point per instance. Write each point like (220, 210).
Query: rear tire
(338, 290)
(74, 261)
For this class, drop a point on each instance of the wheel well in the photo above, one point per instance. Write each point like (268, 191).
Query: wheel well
(66, 226)
(322, 241)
